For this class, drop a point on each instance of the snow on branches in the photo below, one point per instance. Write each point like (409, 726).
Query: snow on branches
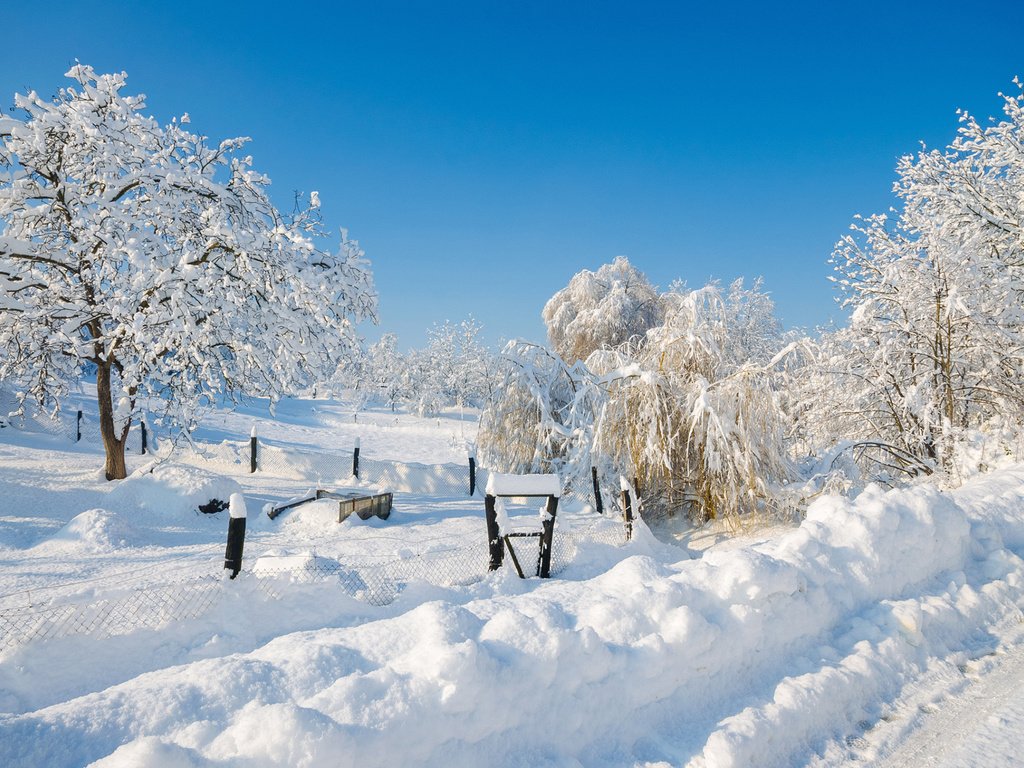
(142, 253)
(601, 309)
(690, 408)
(935, 346)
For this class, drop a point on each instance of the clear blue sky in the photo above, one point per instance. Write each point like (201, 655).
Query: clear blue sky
(484, 152)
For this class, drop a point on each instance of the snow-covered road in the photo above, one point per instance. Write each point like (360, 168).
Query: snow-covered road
(963, 715)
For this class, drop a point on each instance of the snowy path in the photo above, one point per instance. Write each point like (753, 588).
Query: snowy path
(972, 721)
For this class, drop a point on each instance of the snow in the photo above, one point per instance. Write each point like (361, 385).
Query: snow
(817, 644)
(504, 484)
(236, 506)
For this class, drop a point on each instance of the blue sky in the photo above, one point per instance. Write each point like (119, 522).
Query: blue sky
(483, 153)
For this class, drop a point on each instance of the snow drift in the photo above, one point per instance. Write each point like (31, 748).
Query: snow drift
(757, 655)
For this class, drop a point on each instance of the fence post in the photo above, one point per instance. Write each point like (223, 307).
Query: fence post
(547, 534)
(78, 428)
(144, 440)
(355, 460)
(253, 449)
(236, 534)
(627, 513)
(597, 492)
(472, 474)
(495, 545)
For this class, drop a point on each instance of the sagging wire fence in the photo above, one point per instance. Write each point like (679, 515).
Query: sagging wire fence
(192, 586)
(341, 465)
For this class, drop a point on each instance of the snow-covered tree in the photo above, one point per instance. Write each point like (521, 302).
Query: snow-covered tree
(935, 346)
(691, 409)
(381, 376)
(459, 362)
(693, 413)
(139, 253)
(601, 309)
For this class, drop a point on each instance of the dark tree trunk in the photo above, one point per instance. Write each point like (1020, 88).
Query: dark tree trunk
(113, 444)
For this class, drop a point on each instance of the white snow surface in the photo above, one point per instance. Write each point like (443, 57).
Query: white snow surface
(825, 643)
(503, 484)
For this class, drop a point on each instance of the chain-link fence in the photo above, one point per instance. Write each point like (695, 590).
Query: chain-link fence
(110, 605)
(448, 480)
(71, 425)
(190, 588)
(375, 571)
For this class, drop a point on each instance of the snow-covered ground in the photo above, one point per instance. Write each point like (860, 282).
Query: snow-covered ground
(844, 640)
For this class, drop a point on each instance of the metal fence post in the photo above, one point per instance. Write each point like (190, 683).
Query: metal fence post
(627, 514)
(472, 474)
(253, 449)
(236, 534)
(355, 460)
(495, 546)
(597, 492)
(547, 534)
(78, 427)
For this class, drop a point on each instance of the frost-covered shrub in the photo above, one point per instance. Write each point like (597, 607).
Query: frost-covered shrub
(541, 417)
(690, 411)
(599, 309)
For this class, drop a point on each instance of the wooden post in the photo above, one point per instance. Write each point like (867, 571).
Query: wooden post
(546, 537)
(355, 460)
(78, 428)
(142, 425)
(627, 513)
(253, 449)
(597, 492)
(236, 534)
(495, 545)
(472, 474)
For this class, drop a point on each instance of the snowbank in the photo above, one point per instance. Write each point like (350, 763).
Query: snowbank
(753, 656)
(171, 491)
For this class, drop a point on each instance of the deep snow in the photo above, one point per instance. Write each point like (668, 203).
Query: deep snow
(808, 646)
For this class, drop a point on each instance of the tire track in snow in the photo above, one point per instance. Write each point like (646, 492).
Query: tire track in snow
(945, 719)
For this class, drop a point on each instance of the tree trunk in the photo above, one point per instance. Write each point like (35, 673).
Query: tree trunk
(113, 445)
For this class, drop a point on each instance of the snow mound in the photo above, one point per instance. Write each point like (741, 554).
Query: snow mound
(766, 651)
(154, 753)
(172, 490)
(311, 518)
(97, 530)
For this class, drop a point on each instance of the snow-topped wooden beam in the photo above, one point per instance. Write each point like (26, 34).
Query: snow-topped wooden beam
(501, 485)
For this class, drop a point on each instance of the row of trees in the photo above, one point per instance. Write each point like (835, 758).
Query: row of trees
(455, 368)
(701, 397)
(141, 255)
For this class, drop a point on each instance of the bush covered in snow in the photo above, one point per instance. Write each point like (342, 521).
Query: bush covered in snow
(690, 409)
